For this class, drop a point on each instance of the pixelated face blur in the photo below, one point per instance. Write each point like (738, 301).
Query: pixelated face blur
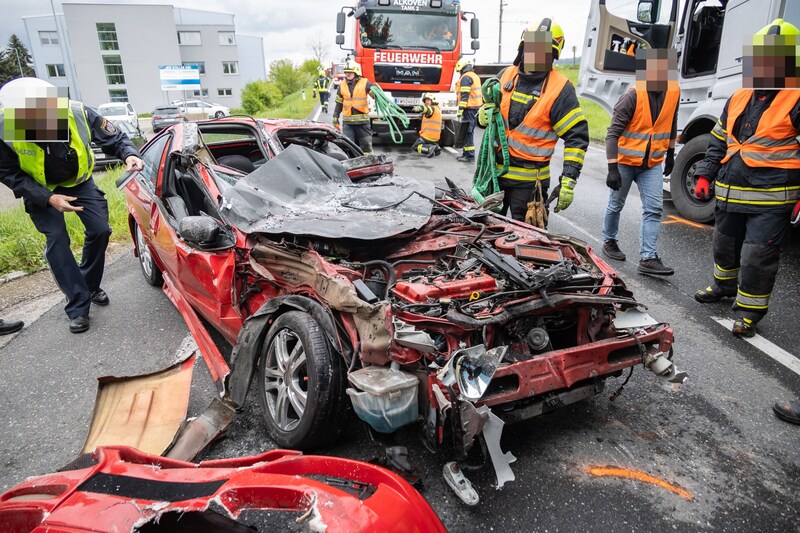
(537, 51)
(349, 75)
(39, 114)
(655, 68)
(772, 62)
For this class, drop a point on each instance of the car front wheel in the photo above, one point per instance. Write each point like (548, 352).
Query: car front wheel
(301, 383)
(219, 114)
(149, 268)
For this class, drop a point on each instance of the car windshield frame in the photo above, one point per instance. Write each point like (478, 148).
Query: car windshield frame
(412, 30)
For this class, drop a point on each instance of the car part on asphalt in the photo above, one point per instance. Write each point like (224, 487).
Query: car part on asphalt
(123, 489)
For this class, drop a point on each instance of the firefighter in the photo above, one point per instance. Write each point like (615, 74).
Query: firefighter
(754, 154)
(430, 130)
(322, 87)
(8, 327)
(353, 104)
(56, 177)
(539, 106)
(641, 137)
(470, 100)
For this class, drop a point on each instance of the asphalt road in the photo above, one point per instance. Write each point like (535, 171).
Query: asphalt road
(714, 437)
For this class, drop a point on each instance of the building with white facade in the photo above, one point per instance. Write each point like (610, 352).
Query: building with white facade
(106, 53)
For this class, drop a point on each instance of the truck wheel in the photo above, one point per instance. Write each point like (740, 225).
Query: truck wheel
(301, 384)
(448, 133)
(682, 182)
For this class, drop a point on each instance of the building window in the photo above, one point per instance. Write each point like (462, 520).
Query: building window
(201, 65)
(189, 38)
(56, 71)
(107, 35)
(48, 38)
(227, 38)
(196, 92)
(224, 92)
(114, 73)
(230, 67)
(118, 95)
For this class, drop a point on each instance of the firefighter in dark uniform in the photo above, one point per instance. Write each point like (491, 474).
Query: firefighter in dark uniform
(430, 130)
(470, 100)
(322, 87)
(754, 154)
(352, 103)
(56, 177)
(539, 106)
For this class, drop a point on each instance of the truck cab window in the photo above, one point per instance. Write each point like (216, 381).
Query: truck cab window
(703, 38)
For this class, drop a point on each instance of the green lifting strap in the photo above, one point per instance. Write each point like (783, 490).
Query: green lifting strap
(390, 112)
(484, 182)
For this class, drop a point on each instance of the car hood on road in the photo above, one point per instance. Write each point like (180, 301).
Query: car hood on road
(306, 193)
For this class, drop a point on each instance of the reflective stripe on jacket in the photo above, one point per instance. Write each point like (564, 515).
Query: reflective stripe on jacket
(774, 144)
(475, 98)
(641, 131)
(356, 101)
(31, 156)
(322, 85)
(535, 138)
(431, 127)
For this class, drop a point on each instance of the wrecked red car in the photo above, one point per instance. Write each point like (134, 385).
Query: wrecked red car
(121, 489)
(409, 304)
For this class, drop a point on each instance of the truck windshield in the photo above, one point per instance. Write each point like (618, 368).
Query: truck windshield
(381, 29)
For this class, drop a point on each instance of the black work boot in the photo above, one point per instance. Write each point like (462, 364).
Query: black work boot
(654, 266)
(10, 326)
(611, 249)
(743, 327)
(712, 294)
(788, 411)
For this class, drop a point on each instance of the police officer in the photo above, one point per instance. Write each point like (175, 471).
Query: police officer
(353, 104)
(8, 327)
(322, 87)
(470, 100)
(430, 130)
(754, 154)
(539, 106)
(56, 177)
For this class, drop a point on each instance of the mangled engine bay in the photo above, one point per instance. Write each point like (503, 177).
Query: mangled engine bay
(465, 323)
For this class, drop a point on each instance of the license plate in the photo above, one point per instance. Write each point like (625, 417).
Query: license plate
(406, 100)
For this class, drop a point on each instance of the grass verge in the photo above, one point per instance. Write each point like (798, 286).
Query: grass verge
(292, 106)
(596, 116)
(22, 246)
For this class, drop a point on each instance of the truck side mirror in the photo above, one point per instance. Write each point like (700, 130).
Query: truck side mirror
(340, 39)
(476, 44)
(340, 25)
(474, 29)
(360, 12)
(644, 12)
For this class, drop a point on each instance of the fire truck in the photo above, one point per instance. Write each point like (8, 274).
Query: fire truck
(336, 73)
(410, 47)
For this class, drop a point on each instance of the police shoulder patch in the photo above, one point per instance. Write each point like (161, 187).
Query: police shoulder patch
(108, 127)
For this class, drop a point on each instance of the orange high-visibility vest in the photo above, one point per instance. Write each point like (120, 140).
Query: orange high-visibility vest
(431, 127)
(357, 100)
(534, 139)
(774, 144)
(641, 130)
(475, 98)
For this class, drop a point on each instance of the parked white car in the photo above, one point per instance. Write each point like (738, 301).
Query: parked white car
(198, 106)
(117, 111)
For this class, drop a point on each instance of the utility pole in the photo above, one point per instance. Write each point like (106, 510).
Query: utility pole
(500, 33)
(19, 64)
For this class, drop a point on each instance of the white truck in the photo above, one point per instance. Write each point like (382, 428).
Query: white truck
(709, 42)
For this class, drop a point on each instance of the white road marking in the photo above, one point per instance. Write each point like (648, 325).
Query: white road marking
(316, 115)
(596, 149)
(451, 149)
(576, 227)
(776, 352)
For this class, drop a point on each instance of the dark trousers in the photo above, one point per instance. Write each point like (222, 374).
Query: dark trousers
(359, 133)
(323, 100)
(76, 281)
(518, 194)
(747, 248)
(469, 118)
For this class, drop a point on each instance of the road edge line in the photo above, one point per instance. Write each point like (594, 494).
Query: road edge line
(774, 351)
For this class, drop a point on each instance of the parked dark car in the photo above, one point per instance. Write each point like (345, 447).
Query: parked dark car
(165, 116)
(136, 135)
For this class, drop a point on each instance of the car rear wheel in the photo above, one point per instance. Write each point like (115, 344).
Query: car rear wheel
(683, 182)
(301, 383)
(219, 114)
(149, 268)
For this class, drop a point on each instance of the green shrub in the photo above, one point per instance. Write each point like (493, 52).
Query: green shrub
(260, 95)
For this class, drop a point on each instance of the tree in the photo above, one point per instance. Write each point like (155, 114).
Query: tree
(283, 73)
(319, 48)
(15, 60)
(308, 70)
(260, 95)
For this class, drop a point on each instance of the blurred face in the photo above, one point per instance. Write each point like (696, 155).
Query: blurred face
(655, 68)
(35, 115)
(428, 102)
(537, 51)
(772, 63)
(349, 76)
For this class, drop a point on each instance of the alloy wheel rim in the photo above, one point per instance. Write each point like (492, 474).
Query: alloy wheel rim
(144, 253)
(286, 379)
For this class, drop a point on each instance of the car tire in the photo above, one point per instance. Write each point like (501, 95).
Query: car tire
(219, 114)
(150, 270)
(682, 182)
(310, 379)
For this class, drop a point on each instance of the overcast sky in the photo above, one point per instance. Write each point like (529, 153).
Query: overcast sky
(288, 26)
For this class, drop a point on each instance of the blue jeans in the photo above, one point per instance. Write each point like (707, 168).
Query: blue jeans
(651, 190)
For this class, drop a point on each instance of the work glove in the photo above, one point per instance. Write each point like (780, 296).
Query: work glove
(460, 112)
(701, 188)
(417, 109)
(669, 161)
(796, 213)
(313, 94)
(336, 124)
(483, 114)
(564, 191)
(614, 179)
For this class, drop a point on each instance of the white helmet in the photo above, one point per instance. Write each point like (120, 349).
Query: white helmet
(14, 93)
(429, 96)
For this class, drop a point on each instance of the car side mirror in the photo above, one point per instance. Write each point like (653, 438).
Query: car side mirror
(199, 230)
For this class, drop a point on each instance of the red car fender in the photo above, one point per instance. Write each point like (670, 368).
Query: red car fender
(127, 488)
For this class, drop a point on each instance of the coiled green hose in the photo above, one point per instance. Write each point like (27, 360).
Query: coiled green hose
(484, 182)
(390, 112)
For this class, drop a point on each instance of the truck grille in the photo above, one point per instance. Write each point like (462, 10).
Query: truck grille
(428, 75)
